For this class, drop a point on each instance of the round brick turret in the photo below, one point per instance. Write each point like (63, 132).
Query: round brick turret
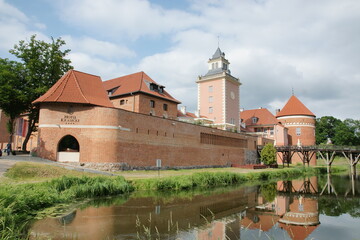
(300, 122)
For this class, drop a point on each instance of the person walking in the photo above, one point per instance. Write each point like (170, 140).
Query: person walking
(8, 148)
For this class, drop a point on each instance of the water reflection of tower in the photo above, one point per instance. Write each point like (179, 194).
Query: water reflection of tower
(298, 210)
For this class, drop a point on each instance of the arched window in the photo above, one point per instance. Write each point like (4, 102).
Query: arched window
(68, 144)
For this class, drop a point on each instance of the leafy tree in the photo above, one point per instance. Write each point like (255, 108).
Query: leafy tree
(345, 132)
(268, 154)
(12, 86)
(325, 128)
(43, 63)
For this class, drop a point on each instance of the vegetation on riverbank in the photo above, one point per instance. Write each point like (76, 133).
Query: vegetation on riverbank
(20, 202)
(216, 179)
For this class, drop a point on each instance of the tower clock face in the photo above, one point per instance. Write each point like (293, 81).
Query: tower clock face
(232, 95)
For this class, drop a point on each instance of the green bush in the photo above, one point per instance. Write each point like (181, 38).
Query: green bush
(268, 154)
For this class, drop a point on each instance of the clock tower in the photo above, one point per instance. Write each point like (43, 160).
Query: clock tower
(218, 93)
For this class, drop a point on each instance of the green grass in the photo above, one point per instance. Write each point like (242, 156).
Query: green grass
(31, 172)
(216, 179)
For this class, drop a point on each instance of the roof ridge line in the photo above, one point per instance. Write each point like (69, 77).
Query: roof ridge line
(62, 90)
(82, 94)
(141, 80)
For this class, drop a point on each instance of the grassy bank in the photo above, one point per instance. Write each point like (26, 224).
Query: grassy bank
(21, 198)
(20, 202)
(217, 179)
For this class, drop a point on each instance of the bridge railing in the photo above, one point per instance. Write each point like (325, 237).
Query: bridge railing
(316, 148)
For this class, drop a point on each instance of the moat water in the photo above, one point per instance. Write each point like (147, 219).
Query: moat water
(323, 207)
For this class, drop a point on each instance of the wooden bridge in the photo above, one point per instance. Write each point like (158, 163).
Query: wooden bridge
(326, 152)
(308, 189)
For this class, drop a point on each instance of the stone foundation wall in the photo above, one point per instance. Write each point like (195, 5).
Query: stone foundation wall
(112, 167)
(251, 157)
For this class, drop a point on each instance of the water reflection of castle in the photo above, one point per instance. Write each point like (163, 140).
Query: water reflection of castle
(223, 215)
(294, 209)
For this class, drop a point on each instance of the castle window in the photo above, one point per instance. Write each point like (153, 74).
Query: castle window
(122, 102)
(211, 99)
(224, 66)
(211, 109)
(165, 107)
(210, 88)
(298, 131)
(271, 131)
(152, 103)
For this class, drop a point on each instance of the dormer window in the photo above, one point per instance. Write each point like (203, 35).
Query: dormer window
(156, 88)
(254, 119)
(111, 91)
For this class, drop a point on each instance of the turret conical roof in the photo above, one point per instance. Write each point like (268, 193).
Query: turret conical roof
(294, 107)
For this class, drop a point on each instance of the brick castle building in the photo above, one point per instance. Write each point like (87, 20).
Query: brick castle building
(132, 121)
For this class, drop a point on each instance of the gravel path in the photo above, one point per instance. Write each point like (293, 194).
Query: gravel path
(7, 162)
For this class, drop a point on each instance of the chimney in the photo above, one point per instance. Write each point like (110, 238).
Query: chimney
(277, 111)
(183, 110)
(197, 113)
(241, 109)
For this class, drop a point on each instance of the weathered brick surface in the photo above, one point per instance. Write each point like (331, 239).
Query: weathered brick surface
(140, 103)
(306, 137)
(140, 140)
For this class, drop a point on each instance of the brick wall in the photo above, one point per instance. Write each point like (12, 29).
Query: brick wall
(109, 135)
(300, 128)
(140, 103)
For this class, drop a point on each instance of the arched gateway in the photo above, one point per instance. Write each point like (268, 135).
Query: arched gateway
(68, 149)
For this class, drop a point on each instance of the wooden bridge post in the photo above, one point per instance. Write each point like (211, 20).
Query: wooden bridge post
(352, 160)
(328, 160)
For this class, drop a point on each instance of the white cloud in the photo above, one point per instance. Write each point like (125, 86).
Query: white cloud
(98, 48)
(124, 18)
(14, 27)
(88, 64)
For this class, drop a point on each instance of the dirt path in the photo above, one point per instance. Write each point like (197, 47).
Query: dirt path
(6, 162)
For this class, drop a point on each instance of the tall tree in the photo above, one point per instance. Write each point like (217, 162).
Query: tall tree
(44, 64)
(325, 128)
(12, 86)
(342, 133)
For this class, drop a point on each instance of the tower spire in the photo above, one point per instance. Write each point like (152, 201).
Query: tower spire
(218, 37)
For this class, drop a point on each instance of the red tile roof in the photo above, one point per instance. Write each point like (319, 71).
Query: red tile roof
(294, 107)
(264, 117)
(77, 87)
(298, 232)
(134, 83)
(189, 114)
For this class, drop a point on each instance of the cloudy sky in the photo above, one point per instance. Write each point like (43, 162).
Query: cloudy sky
(273, 46)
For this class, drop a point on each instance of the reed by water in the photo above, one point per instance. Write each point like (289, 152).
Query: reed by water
(20, 203)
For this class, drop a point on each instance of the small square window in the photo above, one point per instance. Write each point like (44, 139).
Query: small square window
(211, 109)
(165, 107)
(152, 103)
(298, 131)
(210, 88)
(211, 99)
(122, 102)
